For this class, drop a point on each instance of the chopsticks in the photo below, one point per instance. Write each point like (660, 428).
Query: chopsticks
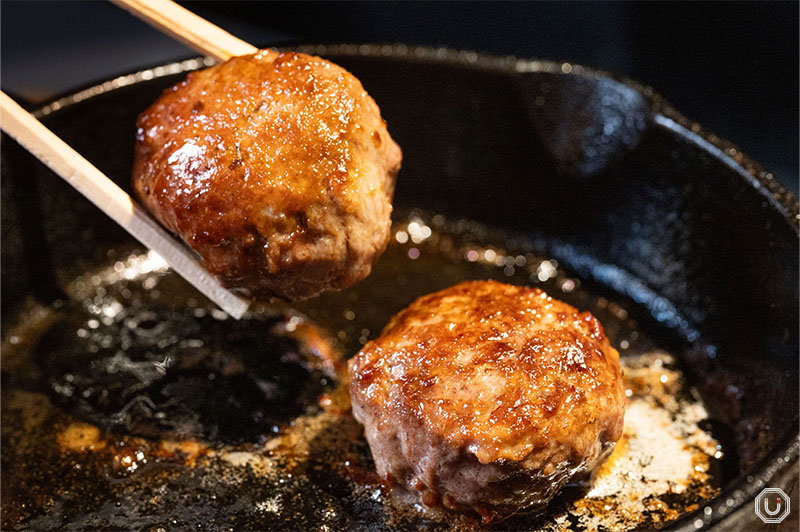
(112, 200)
(192, 30)
(202, 36)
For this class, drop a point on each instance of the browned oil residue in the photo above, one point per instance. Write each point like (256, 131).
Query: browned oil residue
(136, 404)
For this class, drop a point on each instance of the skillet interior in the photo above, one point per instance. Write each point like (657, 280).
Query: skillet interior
(601, 175)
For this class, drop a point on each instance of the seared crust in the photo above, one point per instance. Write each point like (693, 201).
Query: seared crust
(488, 396)
(276, 168)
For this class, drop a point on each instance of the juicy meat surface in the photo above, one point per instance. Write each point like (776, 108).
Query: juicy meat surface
(277, 169)
(489, 397)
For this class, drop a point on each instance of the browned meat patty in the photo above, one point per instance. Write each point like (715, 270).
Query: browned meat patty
(277, 169)
(488, 397)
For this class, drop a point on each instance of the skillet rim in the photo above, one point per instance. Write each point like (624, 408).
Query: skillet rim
(741, 490)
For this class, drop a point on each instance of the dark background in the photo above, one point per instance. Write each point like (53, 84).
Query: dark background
(732, 66)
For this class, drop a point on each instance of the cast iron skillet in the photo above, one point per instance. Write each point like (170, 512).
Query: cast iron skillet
(633, 197)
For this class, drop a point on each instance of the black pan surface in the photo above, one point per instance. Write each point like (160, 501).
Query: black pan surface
(639, 206)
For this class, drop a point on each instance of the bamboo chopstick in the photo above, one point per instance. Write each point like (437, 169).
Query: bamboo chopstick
(112, 200)
(192, 30)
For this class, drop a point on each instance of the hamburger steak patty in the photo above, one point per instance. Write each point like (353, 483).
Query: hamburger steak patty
(277, 169)
(489, 397)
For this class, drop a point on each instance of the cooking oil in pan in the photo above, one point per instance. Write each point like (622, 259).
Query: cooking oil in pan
(137, 404)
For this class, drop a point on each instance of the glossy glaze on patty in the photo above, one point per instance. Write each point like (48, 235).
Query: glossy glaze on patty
(277, 169)
(488, 396)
